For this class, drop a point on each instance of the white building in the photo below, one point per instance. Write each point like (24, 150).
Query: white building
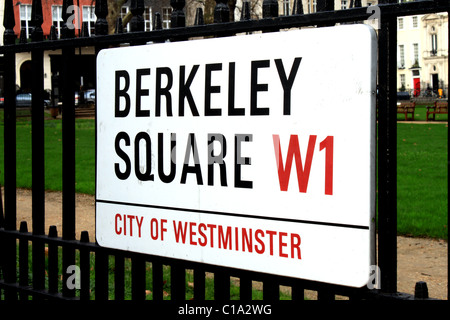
(423, 54)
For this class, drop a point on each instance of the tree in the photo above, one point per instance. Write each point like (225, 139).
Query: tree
(114, 7)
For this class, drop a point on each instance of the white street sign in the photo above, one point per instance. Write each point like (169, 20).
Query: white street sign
(255, 152)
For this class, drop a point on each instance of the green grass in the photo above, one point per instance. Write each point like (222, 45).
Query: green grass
(422, 180)
(422, 169)
(84, 153)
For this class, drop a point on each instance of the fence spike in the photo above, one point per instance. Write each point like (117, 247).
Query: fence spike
(199, 20)
(84, 30)
(66, 30)
(221, 11)
(137, 22)
(298, 7)
(9, 37)
(157, 22)
(23, 226)
(23, 36)
(52, 232)
(178, 18)
(421, 290)
(101, 11)
(37, 19)
(245, 12)
(119, 26)
(325, 5)
(84, 236)
(270, 8)
(52, 35)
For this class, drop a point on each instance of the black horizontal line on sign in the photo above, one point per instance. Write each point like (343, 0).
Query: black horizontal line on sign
(329, 224)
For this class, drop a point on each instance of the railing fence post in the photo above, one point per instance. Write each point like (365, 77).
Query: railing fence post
(10, 205)
(37, 147)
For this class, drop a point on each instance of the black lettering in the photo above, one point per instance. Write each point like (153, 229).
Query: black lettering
(147, 175)
(160, 91)
(191, 145)
(122, 175)
(141, 92)
(209, 68)
(239, 161)
(212, 159)
(256, 87)
(287, 82)
(232, 111)
(122, 74)
(167, 178)
(185, 91)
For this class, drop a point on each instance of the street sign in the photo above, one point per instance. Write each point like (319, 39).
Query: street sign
(254, 151)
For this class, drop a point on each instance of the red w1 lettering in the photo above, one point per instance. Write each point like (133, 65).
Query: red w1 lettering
(303, 169)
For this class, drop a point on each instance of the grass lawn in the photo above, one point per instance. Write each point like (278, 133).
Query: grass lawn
(85, 154)
(422, 168)
(422, 180)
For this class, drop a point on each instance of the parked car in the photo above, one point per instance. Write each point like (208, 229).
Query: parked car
(403, 95)
(89, 97)
(23, 100)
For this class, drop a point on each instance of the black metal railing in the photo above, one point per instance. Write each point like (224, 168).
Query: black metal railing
(43, 280)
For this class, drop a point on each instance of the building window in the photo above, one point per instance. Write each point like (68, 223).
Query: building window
(312, 6)
(402, 81)
(415, 22)
(57, 19)
(123, 13)
(400, 23)
(286, 7)
(147, 15)
(148, 19)
(343, 4)
(166, 17)
(434, 44)
(25, 19)
(416, 54)
(402, 56)
(89, 19)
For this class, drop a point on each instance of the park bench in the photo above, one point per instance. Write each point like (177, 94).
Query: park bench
(406, 108)
(439, 107)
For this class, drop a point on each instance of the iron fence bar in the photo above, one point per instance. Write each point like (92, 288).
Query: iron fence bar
(101, 275)
(138, 278)
(199, 283)
(157, 270)
(10, 207)
(68, 147)
(85, 268)
(23, 260)
(119, 277)
(52, 261)
(177, 281)
(221, 285)
(387, 155)
(245, 288)
(37, 147)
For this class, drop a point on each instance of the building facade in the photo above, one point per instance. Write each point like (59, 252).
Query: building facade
(423, 55)
(422, 39)
(82, 18)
